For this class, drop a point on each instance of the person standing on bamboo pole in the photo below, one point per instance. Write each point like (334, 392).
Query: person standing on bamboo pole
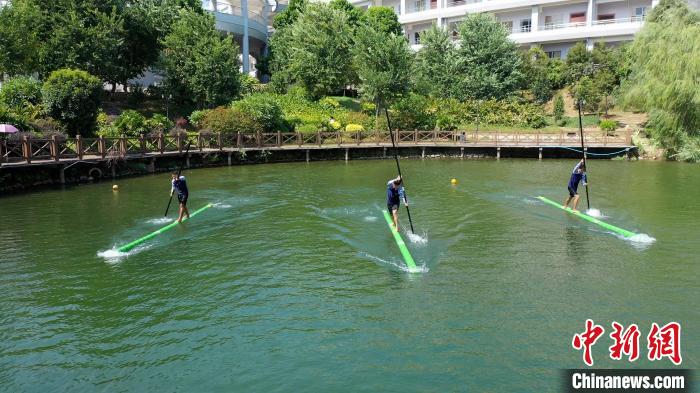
(179, 185)
(578, 175)
(394, 195)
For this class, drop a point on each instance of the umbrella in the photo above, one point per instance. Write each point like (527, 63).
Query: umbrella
(8, 129)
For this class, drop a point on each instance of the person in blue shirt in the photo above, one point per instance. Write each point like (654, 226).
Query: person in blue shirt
(578, 175)
(179, 186)
(394, 195)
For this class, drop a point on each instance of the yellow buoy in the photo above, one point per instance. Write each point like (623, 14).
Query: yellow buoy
(115, 188)
(454, 182)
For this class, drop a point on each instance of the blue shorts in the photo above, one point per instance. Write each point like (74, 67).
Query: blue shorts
(182, 198)
(392, 207)
(572, 191)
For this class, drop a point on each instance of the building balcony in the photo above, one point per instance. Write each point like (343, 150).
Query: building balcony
(568, 31)
(578, 30)
(229, 17)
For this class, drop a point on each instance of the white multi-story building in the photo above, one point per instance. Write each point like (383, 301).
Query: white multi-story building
(555, 25)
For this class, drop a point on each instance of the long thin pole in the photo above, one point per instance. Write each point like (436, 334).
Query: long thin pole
(583, 151)
(179, 171)
(398, 167)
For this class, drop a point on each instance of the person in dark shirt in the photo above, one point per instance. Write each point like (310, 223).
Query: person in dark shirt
(179, 186)
(394, 195)
(578, 175)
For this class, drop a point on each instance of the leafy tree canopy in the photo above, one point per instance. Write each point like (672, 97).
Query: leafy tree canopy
(487, 62)
(383, 19)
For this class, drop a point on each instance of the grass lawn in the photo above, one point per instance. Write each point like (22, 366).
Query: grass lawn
(349, 103)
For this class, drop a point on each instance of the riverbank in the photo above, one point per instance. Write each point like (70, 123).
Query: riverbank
(32, 177)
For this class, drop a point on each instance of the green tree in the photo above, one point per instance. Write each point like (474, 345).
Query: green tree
(20, 40)
(354, 14)
(558, 108)
(578, 63)
(664, 75)
(383, 62)
(93, 44)
(434, 64)
(20, 91)
(487, 62)
(289, 15)
(588, 91)
(536, 70)
(73, 98)
(315, 51)
(200, 65)
(383, 19)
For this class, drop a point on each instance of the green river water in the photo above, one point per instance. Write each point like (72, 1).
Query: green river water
(292, 282)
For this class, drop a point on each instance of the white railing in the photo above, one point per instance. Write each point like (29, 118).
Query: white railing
(633, 19)
(556, 26)
(520, 29)
(457, 3)
(226, 7)
(420, 6)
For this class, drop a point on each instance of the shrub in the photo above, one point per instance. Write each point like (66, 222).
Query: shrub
(354, 128)
(159, 123)
(367, 122)
(329, 104)
(328, 125)
(219, 119)
(130, 123)
(446, 122)
(196, 117)
(105, 126)
(411, 113)
(536, 120)
(263, 109)
(608, 125)
(558, 108)
(368, 108)
(249, 85)
(307, 127)
(181, 123)
(73, 98)
(15, 116)
(49, 127)
(20, 91)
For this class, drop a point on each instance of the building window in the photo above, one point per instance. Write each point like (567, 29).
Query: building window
(640, 14)
(525, 25)
(416, 38)
(508, 25)
(577, 17)
(553, 54)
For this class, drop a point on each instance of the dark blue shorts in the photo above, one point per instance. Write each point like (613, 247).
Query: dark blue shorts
(572, 191)
(392, 207)
(182, 198)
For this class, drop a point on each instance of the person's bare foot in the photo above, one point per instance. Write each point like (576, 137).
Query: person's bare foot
(179, 220)
(575, 211)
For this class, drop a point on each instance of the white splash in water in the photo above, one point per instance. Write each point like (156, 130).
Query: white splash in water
(418, 269)
(370, 218)
(160, 220)
(221, 205)
(642, 238)
(595, 213)
(416, 238)
(112, 256)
